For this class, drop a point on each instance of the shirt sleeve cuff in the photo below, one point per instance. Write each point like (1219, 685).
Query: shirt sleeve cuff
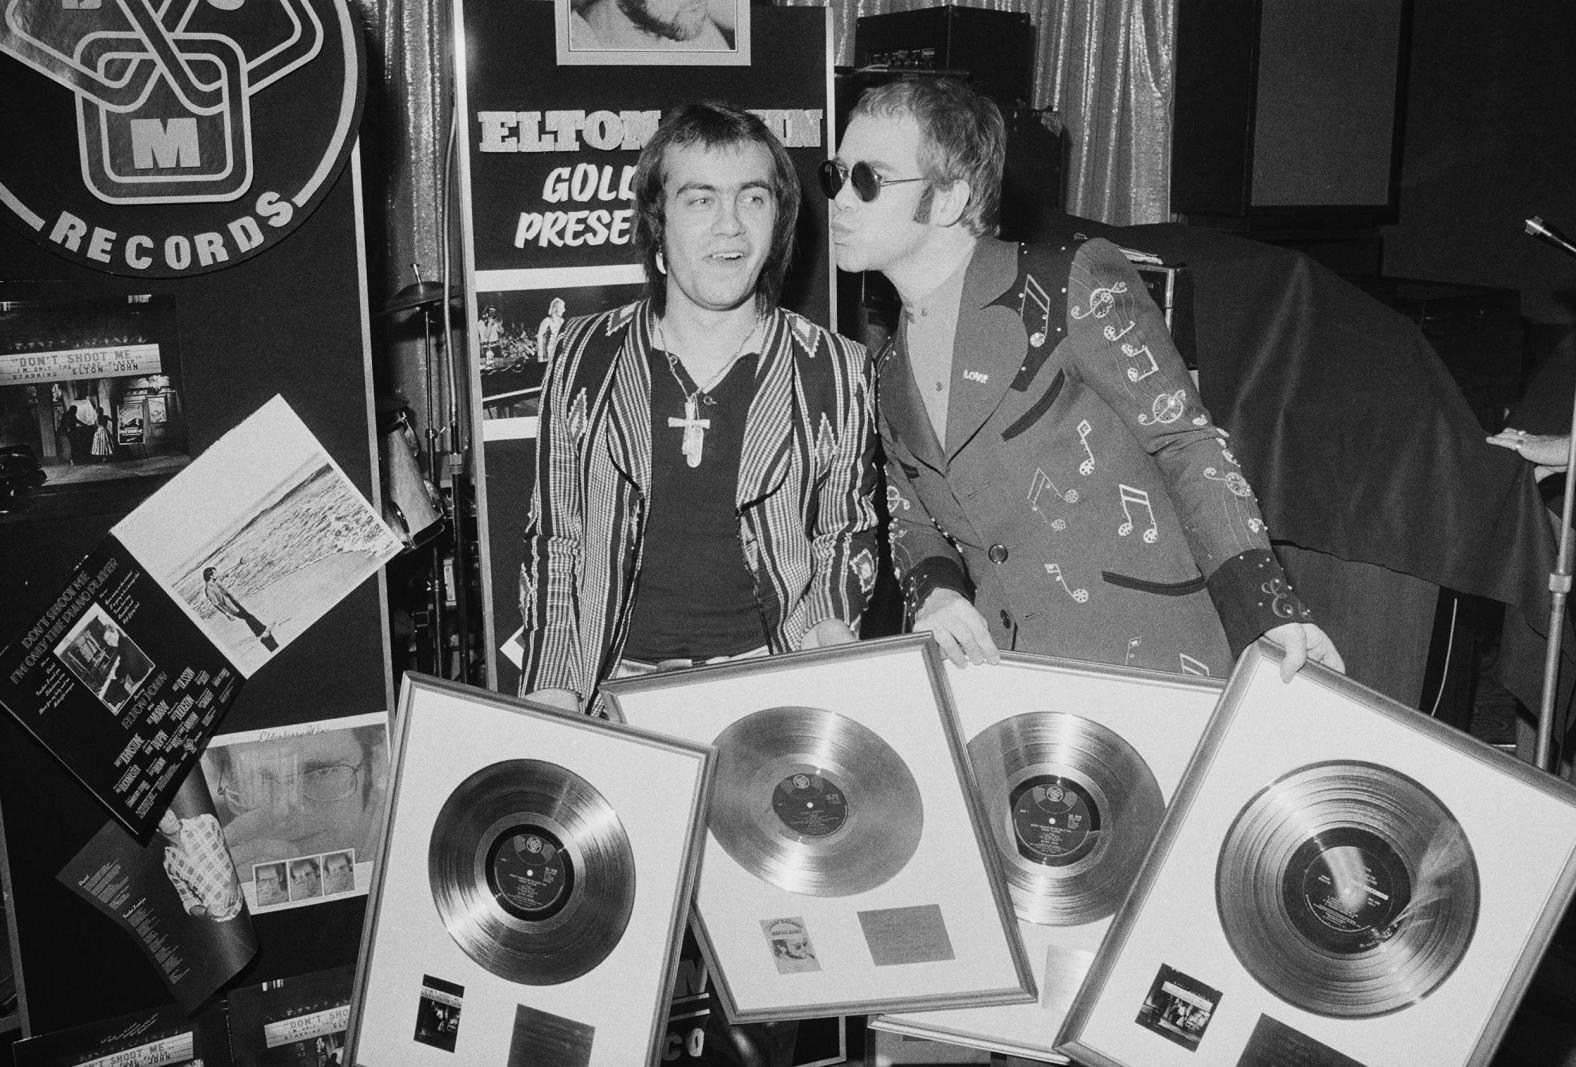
(927, 576)
(1253, 595)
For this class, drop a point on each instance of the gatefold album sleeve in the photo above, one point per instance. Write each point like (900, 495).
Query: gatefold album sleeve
(117, 683)
(176, 896)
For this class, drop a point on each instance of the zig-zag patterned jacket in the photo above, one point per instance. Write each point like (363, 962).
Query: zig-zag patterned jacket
(807, 480)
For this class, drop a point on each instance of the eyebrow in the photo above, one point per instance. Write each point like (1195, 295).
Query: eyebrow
(754, 183)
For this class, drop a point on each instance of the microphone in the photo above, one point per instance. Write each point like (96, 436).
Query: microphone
(1550, 236)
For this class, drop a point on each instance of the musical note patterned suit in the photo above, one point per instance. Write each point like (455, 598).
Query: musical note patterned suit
(1083, 496)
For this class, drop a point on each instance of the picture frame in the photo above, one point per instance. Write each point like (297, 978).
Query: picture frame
(1068, 722)
(682, 33)
(532, 899)
(1407, 875)
(854, 878)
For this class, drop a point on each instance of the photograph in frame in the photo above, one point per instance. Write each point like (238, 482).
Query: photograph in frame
(1408, 877)
(675, 33)
(532, 900)
(259, 537)
(847, 866)
(1075, 763)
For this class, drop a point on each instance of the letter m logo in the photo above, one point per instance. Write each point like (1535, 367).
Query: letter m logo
(166, 146)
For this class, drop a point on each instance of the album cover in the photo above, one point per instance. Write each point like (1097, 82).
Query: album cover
(848, 867)
(1358, 883)
(176, 896)
(302, 807)
(1075, 763)
(126, 674)
(537, 871)
(158, 1037)
(259, 537)
(292, 1022)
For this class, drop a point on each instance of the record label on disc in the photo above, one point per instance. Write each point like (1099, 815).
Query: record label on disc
(1054, 820)
(1346, 889)
(810, 805)
(529, 873)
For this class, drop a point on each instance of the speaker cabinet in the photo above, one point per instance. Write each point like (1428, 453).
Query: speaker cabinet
(1288, 108)
(996, 48)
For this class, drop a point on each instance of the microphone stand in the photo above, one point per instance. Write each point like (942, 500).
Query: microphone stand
(1560, 578)
(1559, 588)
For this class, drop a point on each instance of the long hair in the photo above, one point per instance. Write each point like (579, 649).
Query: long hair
(715, 126)
(962, 136)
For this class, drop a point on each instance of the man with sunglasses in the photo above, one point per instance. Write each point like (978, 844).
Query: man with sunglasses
(1054, 481)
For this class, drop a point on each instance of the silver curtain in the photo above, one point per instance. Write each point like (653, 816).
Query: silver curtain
(1106, 67)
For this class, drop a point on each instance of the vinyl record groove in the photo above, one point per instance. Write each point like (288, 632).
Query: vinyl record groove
(1347, 889)
(531, 872)
(1073, 809)
(813, 802)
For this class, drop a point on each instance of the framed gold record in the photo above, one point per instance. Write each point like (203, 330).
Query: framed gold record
(1339, 879)
(847, 867)
(1075, 762)
(538, 871)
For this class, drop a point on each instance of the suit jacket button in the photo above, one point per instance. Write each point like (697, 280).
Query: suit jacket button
(997, 553)
(1006, 620)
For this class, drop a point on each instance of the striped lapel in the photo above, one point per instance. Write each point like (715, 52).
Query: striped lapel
(768, 429)
(629, 412)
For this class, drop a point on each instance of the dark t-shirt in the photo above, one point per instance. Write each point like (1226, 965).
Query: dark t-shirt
(696, 596)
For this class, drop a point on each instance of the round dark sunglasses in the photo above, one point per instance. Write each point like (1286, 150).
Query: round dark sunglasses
(867, 183)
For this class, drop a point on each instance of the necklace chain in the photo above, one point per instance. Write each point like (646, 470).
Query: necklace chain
(694, 426)
(700, 392)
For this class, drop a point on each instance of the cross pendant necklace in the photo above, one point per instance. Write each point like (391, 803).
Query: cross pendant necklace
(694, 426)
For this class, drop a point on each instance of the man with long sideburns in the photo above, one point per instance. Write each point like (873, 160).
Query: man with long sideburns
(1055, 483)
(705, 463)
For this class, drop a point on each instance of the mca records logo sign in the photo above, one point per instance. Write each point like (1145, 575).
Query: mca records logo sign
(169, 138)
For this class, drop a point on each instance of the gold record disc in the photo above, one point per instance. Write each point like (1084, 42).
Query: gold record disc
(1073, 810)
(813, 802)
(1347, 889)
(531, 872)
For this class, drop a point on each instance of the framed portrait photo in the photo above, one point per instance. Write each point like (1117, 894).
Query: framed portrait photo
(673, 33)
(1339, 880)
(847, 867)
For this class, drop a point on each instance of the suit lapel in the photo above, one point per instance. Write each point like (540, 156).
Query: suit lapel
(769, 424)
(629, 415)
(903, 408)
(989, 344)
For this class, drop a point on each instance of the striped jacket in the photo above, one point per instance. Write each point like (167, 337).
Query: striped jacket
(807, 479)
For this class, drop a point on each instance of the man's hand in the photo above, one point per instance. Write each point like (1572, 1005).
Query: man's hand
(1303, 641)
(958, 628)
(826, 633)
(1547, 451)
(562, 699)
